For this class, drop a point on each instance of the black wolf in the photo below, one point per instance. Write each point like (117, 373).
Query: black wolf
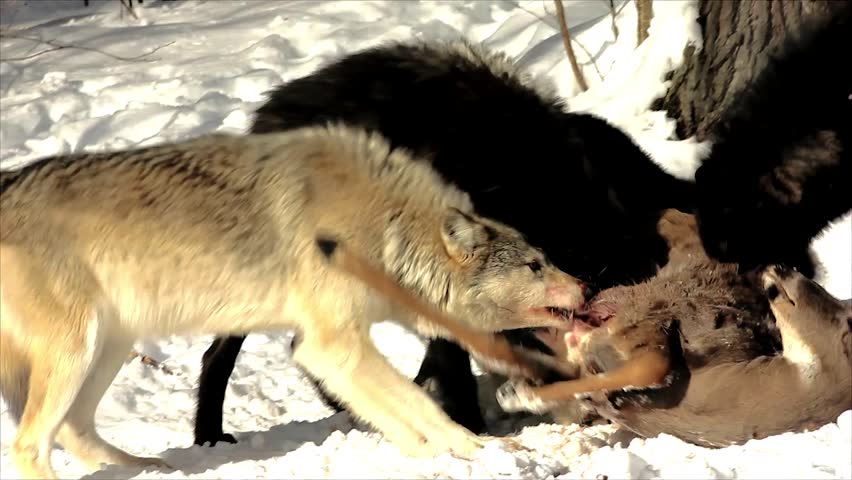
(780, 169)
(574, 185)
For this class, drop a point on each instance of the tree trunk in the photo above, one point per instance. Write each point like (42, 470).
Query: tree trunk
(645, 12)
(738, 37)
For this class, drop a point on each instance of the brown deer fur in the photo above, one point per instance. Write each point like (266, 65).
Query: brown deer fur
(694, 352)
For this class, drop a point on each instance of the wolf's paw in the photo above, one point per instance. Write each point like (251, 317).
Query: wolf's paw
(29, 464)
(414, 447)
(509, 444)
(464, 444)
(461, 444)
(213, 438)
(520, 397)
(447, 438)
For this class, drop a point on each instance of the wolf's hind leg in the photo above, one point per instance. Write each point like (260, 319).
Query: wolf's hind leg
(78, 434)
(350, 366)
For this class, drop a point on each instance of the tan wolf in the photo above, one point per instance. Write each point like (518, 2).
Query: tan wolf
(218, 235)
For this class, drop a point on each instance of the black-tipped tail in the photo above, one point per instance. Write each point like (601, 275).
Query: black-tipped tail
(327, 246)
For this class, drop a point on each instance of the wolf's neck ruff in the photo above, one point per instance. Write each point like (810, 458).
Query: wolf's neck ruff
(412, 255)
(424, 272)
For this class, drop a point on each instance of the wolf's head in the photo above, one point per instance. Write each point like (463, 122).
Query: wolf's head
(499, 281)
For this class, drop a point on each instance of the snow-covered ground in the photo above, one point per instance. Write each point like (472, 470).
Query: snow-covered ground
(189, 67)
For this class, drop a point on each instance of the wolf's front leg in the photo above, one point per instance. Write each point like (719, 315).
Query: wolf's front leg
(349, 365)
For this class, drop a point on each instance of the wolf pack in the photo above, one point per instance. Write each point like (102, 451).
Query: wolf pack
(437, 184)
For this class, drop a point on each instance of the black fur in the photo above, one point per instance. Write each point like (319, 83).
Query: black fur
(576, 186)
(780, 169)
(327, 246)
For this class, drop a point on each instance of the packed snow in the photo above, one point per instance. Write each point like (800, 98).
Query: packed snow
(186, 68)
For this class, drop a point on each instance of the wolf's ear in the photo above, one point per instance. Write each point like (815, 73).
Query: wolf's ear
(462, 234)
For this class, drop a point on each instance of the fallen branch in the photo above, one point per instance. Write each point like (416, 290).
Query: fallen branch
(60, 46)
(566, 41)
(150, 361)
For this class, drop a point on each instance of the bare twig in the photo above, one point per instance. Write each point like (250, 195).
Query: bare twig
(128, 5)
(645, 12)
(591, 58)
(17, 59)
(150, 361)
(612, 13)
(582, 47)
(566, 41)
(543, 19)
(60, 46)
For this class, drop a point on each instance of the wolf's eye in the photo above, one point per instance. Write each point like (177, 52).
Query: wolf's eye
(534, 266)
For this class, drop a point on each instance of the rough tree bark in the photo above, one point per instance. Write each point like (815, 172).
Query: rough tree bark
(645, 12)
(738, 37)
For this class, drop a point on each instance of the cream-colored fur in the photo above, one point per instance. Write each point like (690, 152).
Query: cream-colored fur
(217, 235)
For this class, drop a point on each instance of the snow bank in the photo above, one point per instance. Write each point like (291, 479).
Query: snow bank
(204, 66)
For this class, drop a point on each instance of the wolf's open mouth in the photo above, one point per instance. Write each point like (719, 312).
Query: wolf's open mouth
(589, 321)
(590, 317)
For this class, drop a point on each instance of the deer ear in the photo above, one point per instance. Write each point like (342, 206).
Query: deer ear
(462, 234)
